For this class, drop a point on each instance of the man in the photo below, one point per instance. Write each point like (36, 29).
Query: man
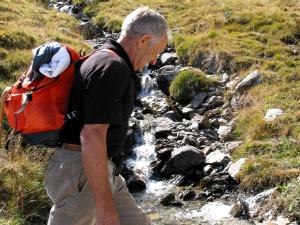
(81, 178)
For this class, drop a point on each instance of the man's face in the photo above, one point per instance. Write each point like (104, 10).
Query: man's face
(147, 52)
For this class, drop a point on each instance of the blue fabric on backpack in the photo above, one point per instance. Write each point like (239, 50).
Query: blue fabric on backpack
(43, 54)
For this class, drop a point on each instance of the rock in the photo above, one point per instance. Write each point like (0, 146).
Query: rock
(198, 100)
(298, 179)
(224, 78)
(89, 30)
(207, 169)
(163, 127)
(168, 58)
(217, 158)
(66, 9)
(251, 80)
(187, 111)
(231, 146)
(135, 184)
(182, 159)
(225, 132)
(218, 183)
(187, 195)
(180, 180)
(272, 114)
(189, 140)
(129, 142)
(164, 154)
(202, 121)
(240, 209)
(231, 85)
(156, 103)
(214, 102)
(235, 168)
(167, 199)
(166, 75)
(172, 115)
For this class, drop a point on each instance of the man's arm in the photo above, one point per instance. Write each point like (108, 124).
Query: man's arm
(94, 157)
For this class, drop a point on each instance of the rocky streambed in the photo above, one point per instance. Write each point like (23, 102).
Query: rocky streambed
(179, 166)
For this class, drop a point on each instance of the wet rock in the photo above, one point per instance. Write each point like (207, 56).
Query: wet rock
(198, 100)
(129, 142)
(182, 159)
(179, 180)
(167, 199)
(187, 195)
(251, 80)
(166, 75)
(156, 103)
(225, 132)
(168, 58)
(176, 204)
(272, 114)
(217, 158)
(66, 9)
(172, 115)
(135, 184)
(164, 154)
(240, 209)
(235, 168)
(89, 30)
(218, 183)
(207, 169)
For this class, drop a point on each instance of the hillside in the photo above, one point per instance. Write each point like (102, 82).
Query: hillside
(217, 36)
(25, 24)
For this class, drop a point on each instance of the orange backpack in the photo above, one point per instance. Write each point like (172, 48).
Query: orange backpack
(37, 109)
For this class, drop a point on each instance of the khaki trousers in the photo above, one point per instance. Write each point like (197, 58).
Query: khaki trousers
(67, 187)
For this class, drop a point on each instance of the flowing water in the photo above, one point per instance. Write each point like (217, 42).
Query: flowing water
(192, 212)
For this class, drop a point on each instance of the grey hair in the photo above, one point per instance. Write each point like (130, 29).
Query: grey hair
(145, 21)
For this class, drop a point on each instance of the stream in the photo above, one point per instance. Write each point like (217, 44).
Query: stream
(192, 212)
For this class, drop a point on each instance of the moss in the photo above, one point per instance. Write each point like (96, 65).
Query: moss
(187, 84)
(16, 39)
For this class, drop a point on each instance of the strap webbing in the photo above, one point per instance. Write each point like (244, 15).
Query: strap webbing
(2, 101)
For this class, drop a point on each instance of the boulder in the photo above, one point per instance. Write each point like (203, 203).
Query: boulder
(272, 114)
(198, 100)
(202, 121)
(172, 115)
(167, 199)
(156, 103)
(217, 158)
(135, 183)
(168, 58)
(214, 102)
(182, 159)
(235, 168)
(251, 80)
(224, 132)
(240, 209)
(89, 30)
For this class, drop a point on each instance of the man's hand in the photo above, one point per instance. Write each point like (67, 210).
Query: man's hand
(95, 162)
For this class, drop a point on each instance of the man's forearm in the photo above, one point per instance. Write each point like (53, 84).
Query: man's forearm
(94, 156)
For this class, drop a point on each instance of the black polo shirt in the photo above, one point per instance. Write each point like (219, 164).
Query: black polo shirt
(103, 93)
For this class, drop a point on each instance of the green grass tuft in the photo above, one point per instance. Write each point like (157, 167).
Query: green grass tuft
(16, 40)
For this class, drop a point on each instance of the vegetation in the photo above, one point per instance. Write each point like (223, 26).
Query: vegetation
(241, 36)
(187, 84)
(23, 26)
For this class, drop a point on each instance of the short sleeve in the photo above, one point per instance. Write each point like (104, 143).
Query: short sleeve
(103, 104)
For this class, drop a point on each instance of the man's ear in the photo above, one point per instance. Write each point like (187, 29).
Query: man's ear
(144, 39)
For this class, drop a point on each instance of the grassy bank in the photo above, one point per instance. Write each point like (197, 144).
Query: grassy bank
(243, 36)
(25, 24)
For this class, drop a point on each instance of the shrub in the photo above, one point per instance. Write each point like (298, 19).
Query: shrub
(16, 39)
(186, 85)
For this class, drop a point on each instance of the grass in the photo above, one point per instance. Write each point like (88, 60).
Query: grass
(25, 24)
(242, 36)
